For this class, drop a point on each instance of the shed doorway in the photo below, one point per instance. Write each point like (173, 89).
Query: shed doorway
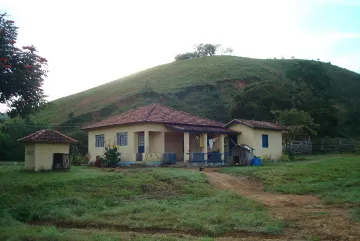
(61, 161)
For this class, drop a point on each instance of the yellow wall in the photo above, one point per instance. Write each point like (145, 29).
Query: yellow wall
(174, 143)
(253, 138)
(246, 136)
(161, 139)
(30, 156)
(275, 143)
(44, 154)
(128, 153)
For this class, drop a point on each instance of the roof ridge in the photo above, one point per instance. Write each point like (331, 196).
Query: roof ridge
(187, 113)
(65, 136)
(150, 112)
(43, 136)
(114, 116)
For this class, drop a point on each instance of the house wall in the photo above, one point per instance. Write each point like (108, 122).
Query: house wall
(161, 139)
(275, 143)
(173, 143)
(29, 156)
(128, 153)
(44, 154)
(246, 136)
(253, 138)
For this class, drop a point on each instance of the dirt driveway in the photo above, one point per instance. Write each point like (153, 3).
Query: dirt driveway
(308, 219)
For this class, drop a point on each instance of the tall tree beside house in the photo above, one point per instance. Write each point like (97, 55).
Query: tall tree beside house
(22, 72)
(298, 122)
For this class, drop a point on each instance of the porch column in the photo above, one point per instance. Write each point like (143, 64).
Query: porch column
(186, 146)
(222, 146)
(204, 149)
(161, 147)
(146, 142)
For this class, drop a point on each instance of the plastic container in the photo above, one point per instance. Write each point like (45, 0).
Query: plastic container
(256, 161)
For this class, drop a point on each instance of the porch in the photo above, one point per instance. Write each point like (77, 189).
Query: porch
(182, 145)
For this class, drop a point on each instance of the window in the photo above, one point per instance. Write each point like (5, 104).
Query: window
(122, 138)
(99, 141)
(265, 141)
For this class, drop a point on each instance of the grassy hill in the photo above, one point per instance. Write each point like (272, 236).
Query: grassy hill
(203, 86)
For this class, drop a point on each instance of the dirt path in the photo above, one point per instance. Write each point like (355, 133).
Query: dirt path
(308, 218)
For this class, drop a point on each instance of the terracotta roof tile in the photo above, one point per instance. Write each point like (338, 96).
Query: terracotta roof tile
(257, 124)
(47, 136)
(154, 113)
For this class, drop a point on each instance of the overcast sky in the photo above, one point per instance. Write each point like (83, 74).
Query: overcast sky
(88, 43)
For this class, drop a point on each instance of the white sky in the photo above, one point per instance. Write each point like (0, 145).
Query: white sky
(88, 43)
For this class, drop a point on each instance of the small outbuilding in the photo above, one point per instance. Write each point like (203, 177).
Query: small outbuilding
(264, 137)
(47, 150)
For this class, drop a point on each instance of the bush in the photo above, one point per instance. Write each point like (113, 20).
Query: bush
(290, 153)
(285, 158)
(266, 158)
(111, 155)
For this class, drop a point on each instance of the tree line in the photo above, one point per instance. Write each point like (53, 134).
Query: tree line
(203, 50)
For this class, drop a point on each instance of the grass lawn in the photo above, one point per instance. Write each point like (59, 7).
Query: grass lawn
(334, 178)
(92, 204)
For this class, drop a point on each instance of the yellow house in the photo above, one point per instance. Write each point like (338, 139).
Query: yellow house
(47, 150)
(264, 137)
(145, 134)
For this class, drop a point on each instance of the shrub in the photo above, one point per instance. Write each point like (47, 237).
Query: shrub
(290, 153)
(111, 155)
(266, 158)
(76, 159)
(86, 158)
(285, 158)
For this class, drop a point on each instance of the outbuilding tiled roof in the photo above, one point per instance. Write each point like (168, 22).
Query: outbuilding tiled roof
(257, 124)
(154, 113)
(47, 136)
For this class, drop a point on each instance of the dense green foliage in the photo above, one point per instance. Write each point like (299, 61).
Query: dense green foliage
(298, 123)
(12, 130)
(144, 199)
(22, 72)
(335, 179)
(307, 88)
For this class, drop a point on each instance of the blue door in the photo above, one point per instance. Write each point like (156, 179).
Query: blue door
(141, 142)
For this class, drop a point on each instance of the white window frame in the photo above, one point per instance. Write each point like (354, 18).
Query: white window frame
(122, 139)
(98, 142)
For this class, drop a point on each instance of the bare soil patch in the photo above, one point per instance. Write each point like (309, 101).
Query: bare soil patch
(308, 218)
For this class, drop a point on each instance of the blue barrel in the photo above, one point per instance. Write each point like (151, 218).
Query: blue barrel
(256, 161)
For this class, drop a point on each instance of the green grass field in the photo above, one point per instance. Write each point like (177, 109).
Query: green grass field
(93, 204)
(162, 203)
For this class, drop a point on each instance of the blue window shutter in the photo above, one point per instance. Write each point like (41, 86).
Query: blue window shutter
(265, 141)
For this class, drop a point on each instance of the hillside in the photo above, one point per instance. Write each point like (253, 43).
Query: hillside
(203, 86)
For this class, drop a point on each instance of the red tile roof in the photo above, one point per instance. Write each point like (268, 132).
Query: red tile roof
(154, 113)
(257, 124)
(209, 129)
(47, 136)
